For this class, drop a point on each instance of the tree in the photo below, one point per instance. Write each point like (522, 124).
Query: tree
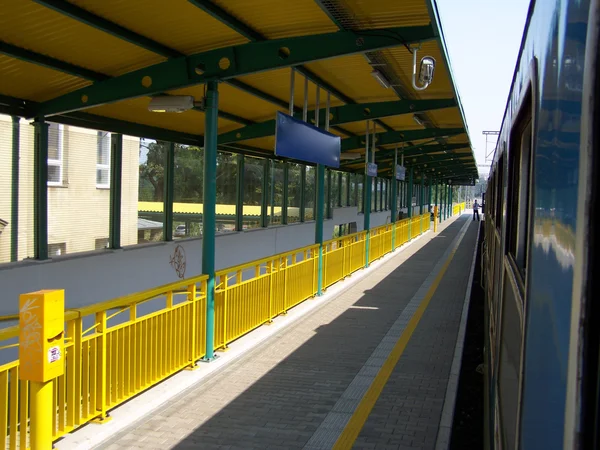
(189, 174)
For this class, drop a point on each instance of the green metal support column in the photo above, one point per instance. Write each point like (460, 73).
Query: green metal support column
(338, 202)
(239, 200)
(14, 190)
(437, 197)
(209, 213)
(40, 189)
(429, 181)
(116, 177)
(446, 201)
(302, 192)
(169, 192)
(286, 180)
(264, 210)
(319, 215)
(349, 178)
(272, 192)
(394, 208)
(421, 194)
(410, 194)
(443, 202)
(328, 207)
(422, 199)
(449, 204)
(368, 184)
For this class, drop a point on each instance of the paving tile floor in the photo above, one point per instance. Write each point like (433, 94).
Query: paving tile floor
(279, 393)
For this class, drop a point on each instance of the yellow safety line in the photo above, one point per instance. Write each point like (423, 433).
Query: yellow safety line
(361, 414)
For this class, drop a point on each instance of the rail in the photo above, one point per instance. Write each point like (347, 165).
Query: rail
(113, 351)
(116, 349)
(458, 208)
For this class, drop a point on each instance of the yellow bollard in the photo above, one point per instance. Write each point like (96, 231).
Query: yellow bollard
(41, 357)
(435, 215)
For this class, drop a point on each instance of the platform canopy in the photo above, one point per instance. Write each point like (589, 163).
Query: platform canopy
(97, 63)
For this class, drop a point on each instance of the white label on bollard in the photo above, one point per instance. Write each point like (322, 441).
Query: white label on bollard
(53, 354)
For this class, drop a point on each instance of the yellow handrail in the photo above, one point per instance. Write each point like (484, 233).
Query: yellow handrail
(114, 350)
(109, 363)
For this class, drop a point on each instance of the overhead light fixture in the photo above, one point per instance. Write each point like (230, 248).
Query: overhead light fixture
(418, 120)
(381, 78)
(350, 156)
(172, 103)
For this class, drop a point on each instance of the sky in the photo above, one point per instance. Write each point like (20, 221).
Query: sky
(483, 39)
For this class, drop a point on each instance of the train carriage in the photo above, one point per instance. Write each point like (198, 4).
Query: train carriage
(540, 251)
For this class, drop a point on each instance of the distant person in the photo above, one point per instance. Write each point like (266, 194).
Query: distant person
(476, 210)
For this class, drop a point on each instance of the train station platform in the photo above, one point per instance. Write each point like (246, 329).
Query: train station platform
(373, 364)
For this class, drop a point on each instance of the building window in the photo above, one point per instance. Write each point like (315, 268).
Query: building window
(103, 160)
(57, 249)
(55, 154)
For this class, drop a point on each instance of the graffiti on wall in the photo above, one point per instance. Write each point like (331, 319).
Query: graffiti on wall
(177, 261)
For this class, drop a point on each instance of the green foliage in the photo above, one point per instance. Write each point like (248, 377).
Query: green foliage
(189, 182)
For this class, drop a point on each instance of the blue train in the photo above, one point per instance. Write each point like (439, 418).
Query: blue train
(541, 263)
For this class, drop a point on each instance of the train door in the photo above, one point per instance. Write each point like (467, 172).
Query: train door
(513, 282)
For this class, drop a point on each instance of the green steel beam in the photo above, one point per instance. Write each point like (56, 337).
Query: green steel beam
(50, 63)
(255, 36)
(319, 217)
(331, 16)
(349, 179)
(169, 191)
(100, 23)
(421, 197)
(223, 16)
(338, 200)
(373, 110)
(393, 137)
(209, 212)
(40, 189)
(329, 210)
(123, 33)
(239, 199)
(14, 190)
(340, 115)
(344, 28)
(13, 106)
(116, 178)
(302, 192)
(258, 93)
(264, 206)
(437, 162)
(234, 118)
(367, 187)
(273, 100)
(286, 180)
(230, 62)
(409, 152)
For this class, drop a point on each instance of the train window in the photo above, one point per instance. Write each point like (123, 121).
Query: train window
(518, 197)
(500, 178)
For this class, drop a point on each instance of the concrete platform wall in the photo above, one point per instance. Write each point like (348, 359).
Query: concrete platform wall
(98, 276)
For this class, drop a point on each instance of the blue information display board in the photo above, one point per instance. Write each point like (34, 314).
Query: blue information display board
(302, 141)
(400, 173)
(372, 169)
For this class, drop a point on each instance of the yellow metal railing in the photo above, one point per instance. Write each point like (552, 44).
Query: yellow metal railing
(116, 349)
(113, 351)
(342, 257)
(458, 208)
(251, 294)
(401, 232)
